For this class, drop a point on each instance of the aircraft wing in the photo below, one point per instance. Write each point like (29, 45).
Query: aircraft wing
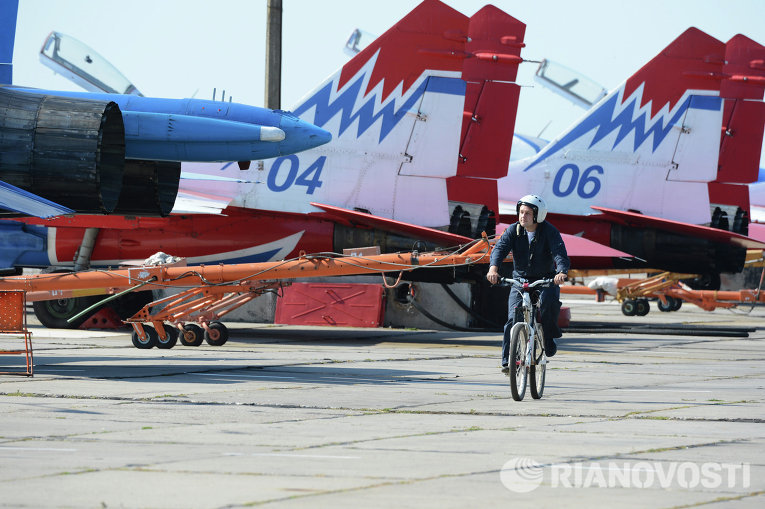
(584, 253)
(206, 191)
(353, 217)
(580, 247)
(757, 231)
(714, 234)
(24, 202)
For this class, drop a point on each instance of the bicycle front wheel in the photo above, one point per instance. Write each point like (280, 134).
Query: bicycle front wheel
(519, 336)
(537, 370)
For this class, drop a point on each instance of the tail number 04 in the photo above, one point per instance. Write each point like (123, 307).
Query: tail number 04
(567, 180)
(285, 173)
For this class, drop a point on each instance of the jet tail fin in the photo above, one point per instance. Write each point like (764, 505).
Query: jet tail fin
(650, 141)
(396, 111)
(8, 12)
(494, 44)
(742, 89)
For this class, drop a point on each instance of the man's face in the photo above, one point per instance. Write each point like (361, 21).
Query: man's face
(526, 216)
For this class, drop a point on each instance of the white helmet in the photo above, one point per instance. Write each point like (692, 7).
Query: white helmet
(536, 203)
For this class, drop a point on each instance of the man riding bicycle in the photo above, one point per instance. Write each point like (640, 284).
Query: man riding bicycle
(538, 253)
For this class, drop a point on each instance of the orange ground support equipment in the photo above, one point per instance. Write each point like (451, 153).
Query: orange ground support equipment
(13, 321)
(212, 291)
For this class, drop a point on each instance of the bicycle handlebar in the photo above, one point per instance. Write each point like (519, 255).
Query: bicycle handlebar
(507, 281)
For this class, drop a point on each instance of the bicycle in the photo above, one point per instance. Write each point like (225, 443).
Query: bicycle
(527, 361)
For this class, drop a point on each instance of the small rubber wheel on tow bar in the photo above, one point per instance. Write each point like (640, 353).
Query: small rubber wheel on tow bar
(193, 335)
(171, 338)
(217, 335)
(629, 307)
(665, 308)
(149, 342)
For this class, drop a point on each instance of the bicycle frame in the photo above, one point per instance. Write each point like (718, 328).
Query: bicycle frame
(530, 315)
(527, 364)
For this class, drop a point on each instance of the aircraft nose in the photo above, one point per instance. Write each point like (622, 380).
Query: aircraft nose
(301, 135)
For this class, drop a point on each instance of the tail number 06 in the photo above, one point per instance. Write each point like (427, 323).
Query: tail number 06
(309, 178)
(586, 187)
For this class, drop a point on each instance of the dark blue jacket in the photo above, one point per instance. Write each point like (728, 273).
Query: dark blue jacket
(545, 257)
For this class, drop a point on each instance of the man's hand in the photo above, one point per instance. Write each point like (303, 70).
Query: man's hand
(493, 275)
(559, 278)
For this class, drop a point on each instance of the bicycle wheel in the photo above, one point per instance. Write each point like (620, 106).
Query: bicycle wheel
(518, 369)
(536, 370)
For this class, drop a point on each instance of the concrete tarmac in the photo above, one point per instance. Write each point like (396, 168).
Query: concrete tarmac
(378, 418)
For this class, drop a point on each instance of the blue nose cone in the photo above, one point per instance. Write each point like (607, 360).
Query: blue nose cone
(300, 135)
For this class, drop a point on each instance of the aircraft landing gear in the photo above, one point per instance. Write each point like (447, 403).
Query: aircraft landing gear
(55, 314)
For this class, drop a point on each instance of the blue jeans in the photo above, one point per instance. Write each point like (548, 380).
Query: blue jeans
(549, 307)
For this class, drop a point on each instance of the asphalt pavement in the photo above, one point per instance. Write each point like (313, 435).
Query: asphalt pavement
(324, 417)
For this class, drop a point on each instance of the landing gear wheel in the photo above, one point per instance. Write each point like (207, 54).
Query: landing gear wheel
(171, 339)
(642, 307)
(55, 313)
(193, 335)
(676, 304)
(518, 369)
(629, 307)
(536, 370)
(149, 342)
(217, 335)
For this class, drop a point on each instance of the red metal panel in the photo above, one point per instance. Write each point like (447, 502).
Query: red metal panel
(473, 190)
(729, 194)
(341, 305)
(485, 150)
(495, 42)
(741, 142)
(744, 69)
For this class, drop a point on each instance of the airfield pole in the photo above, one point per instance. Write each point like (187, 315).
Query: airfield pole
(273, 97)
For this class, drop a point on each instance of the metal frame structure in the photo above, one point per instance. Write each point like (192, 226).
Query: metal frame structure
(13, 321)
(210, 292)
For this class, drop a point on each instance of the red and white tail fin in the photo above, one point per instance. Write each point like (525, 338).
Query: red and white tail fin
(742, 91)
(495, 40)
(650, 146)
(397, 113)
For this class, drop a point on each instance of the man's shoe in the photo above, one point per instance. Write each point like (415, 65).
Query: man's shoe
(505, 368)
(551, 348)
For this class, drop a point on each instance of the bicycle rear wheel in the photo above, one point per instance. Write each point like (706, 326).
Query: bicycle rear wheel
(536, 370)
(519, 336)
